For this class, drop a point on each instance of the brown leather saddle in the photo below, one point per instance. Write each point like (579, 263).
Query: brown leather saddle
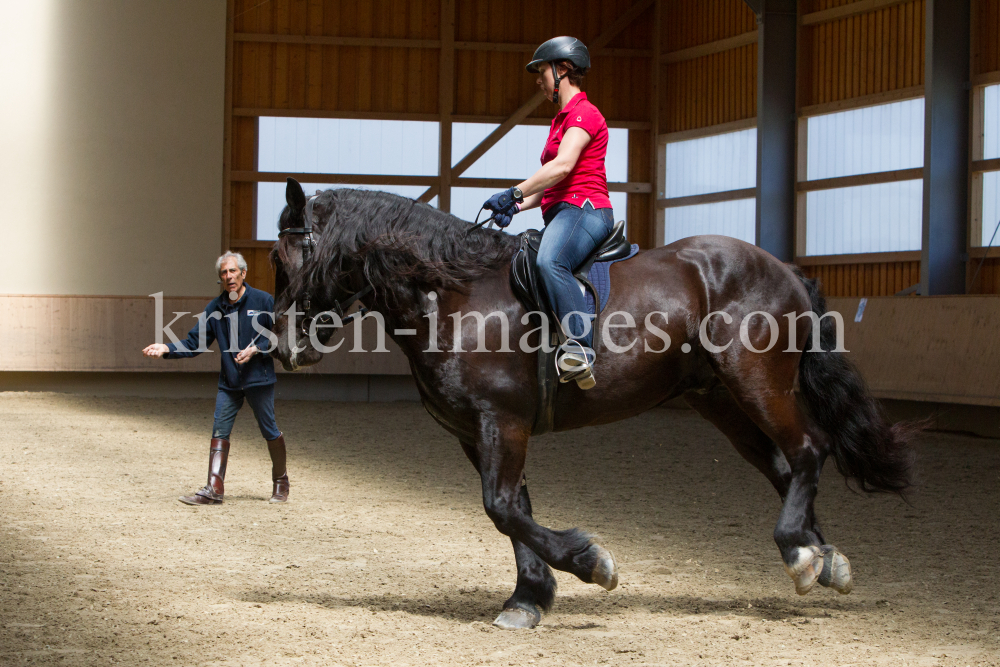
(528, 288)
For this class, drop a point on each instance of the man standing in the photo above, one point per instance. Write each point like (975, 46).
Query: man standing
(246, 373)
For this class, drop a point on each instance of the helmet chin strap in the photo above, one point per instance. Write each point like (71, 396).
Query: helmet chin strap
(555, 89)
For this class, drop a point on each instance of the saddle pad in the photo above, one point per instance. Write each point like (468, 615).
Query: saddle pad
(600, 278)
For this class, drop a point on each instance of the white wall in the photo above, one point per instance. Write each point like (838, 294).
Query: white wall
(111, 133)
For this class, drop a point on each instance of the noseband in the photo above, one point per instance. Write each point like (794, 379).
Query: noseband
(308, 245)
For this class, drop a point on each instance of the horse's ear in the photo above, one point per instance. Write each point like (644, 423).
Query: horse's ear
(294, 196)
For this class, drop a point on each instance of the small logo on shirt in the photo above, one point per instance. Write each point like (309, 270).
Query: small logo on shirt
(251, 313)
(579, 118)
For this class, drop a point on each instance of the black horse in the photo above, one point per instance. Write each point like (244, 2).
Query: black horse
(419, 266)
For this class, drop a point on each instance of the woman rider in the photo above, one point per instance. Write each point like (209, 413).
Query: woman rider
(572, 189)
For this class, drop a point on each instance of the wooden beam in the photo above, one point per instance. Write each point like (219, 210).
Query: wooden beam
(992, 252)
(711, 130)
(861, 179)
(707, 198)
(320, 113)
(861, 258)
(612, 124)
(986, 165)
(530, 48)
(987, 79)
(911, 93)
(635, 187)
(446, 87)
(337, 179)
(656, 177)
(236, 244)
(622, 22)
(429, 194)
(388, 42)
(227, 124)
(848, 10)
(709, 48)
(402, 115)
(322, 40)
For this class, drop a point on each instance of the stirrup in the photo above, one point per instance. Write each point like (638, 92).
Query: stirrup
(576, 363)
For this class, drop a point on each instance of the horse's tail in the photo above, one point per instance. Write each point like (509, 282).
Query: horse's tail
(873, 453)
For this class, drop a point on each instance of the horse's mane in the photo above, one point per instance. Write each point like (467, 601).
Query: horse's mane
(396, 241)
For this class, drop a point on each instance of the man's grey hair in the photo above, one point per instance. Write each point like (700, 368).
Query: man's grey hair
(241, 263)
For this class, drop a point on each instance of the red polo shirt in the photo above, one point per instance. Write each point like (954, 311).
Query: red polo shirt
(588, 180)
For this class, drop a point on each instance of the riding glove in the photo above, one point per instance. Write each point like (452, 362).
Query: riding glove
(504, 206)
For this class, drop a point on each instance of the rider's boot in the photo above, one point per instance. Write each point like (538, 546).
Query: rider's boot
(213, 491)
(279, 473)
(576, 363)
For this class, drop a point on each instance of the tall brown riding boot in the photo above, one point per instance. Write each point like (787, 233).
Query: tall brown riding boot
(212, 493)
(279, 474)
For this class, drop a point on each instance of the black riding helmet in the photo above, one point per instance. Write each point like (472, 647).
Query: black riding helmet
(558, 49)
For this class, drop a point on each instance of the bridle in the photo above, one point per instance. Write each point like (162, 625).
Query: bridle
(308, 245)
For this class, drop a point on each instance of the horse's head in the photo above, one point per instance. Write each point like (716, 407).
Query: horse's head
(302, 304)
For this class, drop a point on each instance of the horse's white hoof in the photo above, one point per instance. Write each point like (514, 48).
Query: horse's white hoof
(517, 618)
(605, 572)
(806, 568)
(836, 573)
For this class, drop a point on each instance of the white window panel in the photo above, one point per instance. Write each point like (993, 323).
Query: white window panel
(991, 123)
(348, 146)
(885, 217)
(864, 141)
(465, 203)
(518, 154)
(271, 201)
(712, 164)
(991, 207)
(729, 218)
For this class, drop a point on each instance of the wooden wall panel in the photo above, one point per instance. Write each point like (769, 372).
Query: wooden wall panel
(884, 279)
(259, 271)
(107, 333)
(946, 362)
(866, 54)
(405, 19)
(986, 36)
(714, 89)
(988, 280)
(689, 23)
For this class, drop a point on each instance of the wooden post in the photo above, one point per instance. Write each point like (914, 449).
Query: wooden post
(446, 88)
(655, 166)
(227, 141)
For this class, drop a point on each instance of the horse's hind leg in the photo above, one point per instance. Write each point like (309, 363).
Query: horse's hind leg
(718, 406)
(759, 392)
(536, 586)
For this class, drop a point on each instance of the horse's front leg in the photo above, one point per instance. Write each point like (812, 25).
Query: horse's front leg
(500, 450)
(536, 587)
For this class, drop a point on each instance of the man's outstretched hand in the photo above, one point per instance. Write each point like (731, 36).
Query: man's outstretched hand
(155, 350)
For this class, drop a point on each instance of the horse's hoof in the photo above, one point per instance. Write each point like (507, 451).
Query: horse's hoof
(605, 572)
(806, 568)
(518, 618)
(836, 573)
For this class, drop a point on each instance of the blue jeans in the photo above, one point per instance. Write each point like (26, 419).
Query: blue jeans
(571, 234)
(229, 401)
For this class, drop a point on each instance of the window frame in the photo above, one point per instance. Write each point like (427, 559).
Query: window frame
(803, 186)
(663, 202)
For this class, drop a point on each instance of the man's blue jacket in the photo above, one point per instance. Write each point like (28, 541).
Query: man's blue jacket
(218, 320)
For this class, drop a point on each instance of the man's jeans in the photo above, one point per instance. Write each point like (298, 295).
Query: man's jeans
(229, 402)
(571, 234)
